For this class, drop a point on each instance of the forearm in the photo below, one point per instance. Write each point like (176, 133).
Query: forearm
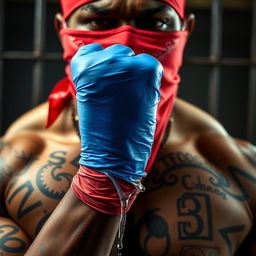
(75, 229)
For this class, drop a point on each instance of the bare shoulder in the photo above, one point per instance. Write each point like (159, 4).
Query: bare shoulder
(192, 121)
(247, 149)
(194, 124)
(33, 123)
(33, 120)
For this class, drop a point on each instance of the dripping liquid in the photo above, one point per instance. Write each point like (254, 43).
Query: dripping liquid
(124, 201)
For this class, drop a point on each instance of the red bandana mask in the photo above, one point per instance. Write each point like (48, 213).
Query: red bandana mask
(167, 47)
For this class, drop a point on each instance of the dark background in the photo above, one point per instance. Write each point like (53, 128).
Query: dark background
(232, 104)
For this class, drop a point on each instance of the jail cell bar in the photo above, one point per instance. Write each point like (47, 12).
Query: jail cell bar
(214, 60)
(251, 118)
(1, 62)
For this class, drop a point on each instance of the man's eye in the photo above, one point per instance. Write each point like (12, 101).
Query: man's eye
(155, 24)
(101, 23)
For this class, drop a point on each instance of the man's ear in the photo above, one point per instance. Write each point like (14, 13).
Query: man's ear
(190, 23)
(58, 23)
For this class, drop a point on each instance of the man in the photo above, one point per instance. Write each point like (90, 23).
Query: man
(199, 197)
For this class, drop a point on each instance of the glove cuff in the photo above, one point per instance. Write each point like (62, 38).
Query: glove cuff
(96, 190)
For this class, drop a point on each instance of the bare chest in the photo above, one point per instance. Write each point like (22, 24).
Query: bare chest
(189, 208)
(35, 190)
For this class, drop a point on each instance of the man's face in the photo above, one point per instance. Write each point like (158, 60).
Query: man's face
(101, 15)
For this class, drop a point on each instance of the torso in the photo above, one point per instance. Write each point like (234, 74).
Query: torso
(199, 197)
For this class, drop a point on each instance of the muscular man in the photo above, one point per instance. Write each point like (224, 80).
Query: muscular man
(199, 197)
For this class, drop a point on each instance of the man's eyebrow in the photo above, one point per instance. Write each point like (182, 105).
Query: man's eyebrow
(94, 9)
(104, 11)
(152, 11)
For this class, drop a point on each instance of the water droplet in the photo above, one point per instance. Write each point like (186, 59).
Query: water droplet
(124, 200)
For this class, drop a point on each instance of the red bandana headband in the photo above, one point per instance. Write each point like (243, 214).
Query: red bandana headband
(68, 6)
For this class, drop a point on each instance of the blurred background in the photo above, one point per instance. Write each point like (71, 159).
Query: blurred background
(218, 75)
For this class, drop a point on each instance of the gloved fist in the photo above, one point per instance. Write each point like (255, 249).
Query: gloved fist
(117, 98)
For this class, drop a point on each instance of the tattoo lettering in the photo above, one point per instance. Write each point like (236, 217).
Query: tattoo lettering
(172, 162)
(225, 234)
(235, 174)
(51, 177)
(199, 250)
(192, 183)
(8, 242)
(196, 208)
(75, 162)
(218, 183)
(156, 228)
(22, 210)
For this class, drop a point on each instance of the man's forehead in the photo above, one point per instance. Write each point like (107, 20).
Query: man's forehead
(68, 6)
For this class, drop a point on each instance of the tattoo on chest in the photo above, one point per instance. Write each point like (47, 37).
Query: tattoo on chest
(24, 208)
(178, 169)
(51, 176)
(199, 250)
(152, 227)
(227, 232)
(51, 180)
(195, 215)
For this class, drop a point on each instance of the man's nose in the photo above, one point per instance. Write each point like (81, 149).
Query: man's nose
(129, 22)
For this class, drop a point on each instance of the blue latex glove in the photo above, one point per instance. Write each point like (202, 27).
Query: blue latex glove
(117, 98)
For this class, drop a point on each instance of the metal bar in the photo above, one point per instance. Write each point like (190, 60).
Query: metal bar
(55, 56)
(251, 122)
(215, 55)
(17, 55)
(1, 63)
(39, 43)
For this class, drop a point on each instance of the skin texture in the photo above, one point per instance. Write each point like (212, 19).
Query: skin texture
(200, 194)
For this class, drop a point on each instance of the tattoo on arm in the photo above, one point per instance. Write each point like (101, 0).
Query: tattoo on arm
(9, 242)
